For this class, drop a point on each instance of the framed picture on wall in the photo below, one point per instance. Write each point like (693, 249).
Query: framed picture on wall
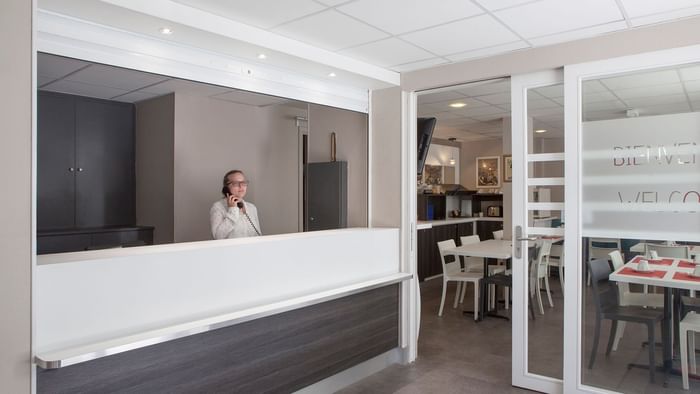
(507, 168)
(488, 172)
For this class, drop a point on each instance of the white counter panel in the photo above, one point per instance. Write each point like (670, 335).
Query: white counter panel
(94, 296)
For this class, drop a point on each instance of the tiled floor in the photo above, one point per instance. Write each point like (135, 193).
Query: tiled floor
(457, 355)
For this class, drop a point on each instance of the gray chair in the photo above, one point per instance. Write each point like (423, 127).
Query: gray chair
(607, 306)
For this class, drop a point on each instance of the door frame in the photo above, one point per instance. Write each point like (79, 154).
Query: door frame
(573, 296)
(520, 141)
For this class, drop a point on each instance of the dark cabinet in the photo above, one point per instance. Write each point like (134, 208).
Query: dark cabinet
(327, 196)
(60, 241)
(428, 256)
(485, 229)
(85, 164)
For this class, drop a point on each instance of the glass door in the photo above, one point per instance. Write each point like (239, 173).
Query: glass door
(633, 195)
(537, 230)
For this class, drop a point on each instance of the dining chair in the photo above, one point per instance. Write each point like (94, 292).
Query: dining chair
(452, 272)
(607, 306)
(688, 327)
(598, 248)
(556, 259)
(629, 298)
(498, 235)
(538, 274)
(476, 264)
(676, 252)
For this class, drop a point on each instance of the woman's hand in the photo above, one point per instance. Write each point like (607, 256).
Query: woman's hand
(233, 201)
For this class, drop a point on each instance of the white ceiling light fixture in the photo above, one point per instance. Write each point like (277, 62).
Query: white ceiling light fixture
(458, 105)
(452, 159)
(540, 131)
(332, 75)
(166, 31)
(262, 56)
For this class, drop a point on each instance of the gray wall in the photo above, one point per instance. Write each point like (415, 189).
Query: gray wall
(214, 136)
(16, 199)
(351, 136)
(155, 122)
(386, 157)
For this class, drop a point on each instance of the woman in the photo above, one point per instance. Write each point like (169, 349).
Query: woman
(232, 217)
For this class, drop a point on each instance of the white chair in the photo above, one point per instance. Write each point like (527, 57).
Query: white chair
(629, 298)
(688, 327)
(452, 272)
(476, 264)
(498, 235)
(538, 274)
(556, 259)
(676, 252)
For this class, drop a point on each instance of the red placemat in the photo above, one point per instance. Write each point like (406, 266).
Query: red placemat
(650, 274)
(686, 264)
(684, 276)
(658, 262)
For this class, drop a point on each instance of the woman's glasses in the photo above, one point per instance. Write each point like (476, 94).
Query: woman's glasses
(238, 184)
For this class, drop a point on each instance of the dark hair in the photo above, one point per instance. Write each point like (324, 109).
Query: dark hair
(224, 182)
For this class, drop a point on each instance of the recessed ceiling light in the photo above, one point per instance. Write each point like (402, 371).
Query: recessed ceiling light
(332, 75)
(540, 131)
(458, 105)
(165, 30)
(262, 56)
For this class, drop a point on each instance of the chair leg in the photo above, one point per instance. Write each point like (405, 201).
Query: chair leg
(459, 289)
(506, 295)
(442, 300)
(549, 292)
(652, 363)
(464, 291)
(561, 275)
(691, 344)
(594, 349)
(684, 356)
(611, 338)
(538, 290)
(476, 301)
(618, 335)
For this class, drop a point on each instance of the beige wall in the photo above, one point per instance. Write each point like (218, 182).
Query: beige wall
(467, 158)
(16, 199)
(214, 136)
(386, 158)
(351, 136)
(154, 166)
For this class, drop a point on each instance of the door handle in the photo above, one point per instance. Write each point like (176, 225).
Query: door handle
(519, 237)
(80, 169)
(71, 169)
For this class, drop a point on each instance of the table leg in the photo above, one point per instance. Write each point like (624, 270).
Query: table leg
(666, 331)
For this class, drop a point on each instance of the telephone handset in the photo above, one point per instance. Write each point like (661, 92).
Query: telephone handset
(240, 206)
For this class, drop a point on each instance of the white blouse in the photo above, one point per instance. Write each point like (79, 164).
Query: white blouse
(230, 222)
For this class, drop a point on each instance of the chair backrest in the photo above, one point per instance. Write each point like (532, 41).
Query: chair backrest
(598, 248)
(452, 266)
(678, 252)
(617, 260)
(604, 295)
(498, 234)
(469, 240)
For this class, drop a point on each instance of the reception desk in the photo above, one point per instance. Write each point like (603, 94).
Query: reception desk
(277, 312)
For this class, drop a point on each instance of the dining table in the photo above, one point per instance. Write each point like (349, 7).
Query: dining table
(673, 275)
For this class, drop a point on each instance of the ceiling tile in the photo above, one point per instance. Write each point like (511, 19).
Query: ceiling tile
(649, 91)
(489, 117)
(84, 89)
(388, 52)
(603, 115)
(541, 104)
(438, 97)
(579, 33)
(694, 96)
(134, 97)
(465, 35)
(593, 86)
(664, 109)
(535, 19)
(260, 13)
(185, 87)
(419, 65)
(338, 31)
(691, 73)
(115, 77)
(482, 89)
(550, 91)
(473, 112)
(248, 98)
(498, 98)
(493, 5)
(484, 52)
(635, 8)
(604, 106)
(641, 79)
(539, 112)
(600, 96)
(656, 100)
(692, 86)
(665, 16)
(401, 16)
(53, 67)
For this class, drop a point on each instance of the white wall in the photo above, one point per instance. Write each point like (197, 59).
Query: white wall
(386, 157)
(16, 198)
